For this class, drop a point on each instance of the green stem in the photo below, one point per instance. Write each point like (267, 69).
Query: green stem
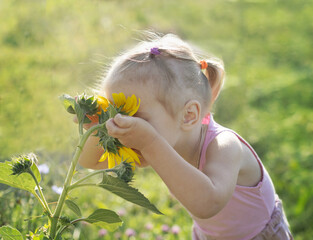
(59, 233)
(74, 185)
(40, 201)
(83, 185)
(43, 199)
(82, 140)
(80, 129)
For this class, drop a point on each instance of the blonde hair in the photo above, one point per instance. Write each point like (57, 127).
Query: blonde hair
(175, 73)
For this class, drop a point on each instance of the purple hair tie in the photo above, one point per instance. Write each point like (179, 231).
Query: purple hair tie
(155, 51)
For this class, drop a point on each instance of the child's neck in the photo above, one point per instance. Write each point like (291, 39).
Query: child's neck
(191, 144)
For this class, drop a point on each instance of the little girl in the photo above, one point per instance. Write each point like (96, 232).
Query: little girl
(213, 172)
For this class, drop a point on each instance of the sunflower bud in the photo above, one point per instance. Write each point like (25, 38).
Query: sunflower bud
(23, 163)
(88, 104)
(124, 171)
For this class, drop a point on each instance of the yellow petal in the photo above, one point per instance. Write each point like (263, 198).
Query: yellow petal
(103, 103)
(133, 156)
(133, 165)
(119, 99)
(103, 157)
(135, 108)
(102, 100)
(129, 104)
(117, 157)
(122, 153)
(111, 161)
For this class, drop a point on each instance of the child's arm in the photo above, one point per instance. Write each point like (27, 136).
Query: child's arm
(91, 152)
(194, 189)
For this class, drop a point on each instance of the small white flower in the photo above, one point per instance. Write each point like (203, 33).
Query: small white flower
(175, 229)
(57, 189)
(36, 188)
(43, 168)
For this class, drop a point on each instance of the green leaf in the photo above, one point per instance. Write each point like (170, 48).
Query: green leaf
(36, 236)
(104, 116)
(112, 111)
(23, 181)
(80, 113)
(36, 172)
(68, 102)
(124, 190)
(104, 218)
(73, 206)
(10, 233)
(86, 120)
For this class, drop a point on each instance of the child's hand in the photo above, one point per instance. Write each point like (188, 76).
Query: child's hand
(132, 132)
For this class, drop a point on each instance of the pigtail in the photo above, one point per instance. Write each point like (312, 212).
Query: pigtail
(214, 72)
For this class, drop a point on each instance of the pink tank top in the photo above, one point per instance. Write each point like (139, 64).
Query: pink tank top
(249, 209)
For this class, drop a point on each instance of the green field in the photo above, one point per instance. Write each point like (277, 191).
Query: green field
(48, 48)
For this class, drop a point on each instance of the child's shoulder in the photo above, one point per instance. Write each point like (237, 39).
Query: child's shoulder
(225, 143)
(229, 150)
(223, 152)
(221, 138)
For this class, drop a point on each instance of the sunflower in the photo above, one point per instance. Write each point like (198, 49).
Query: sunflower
(103, 104)
(118, 153)
(113, 159)
(116, 158)
(127, 105)
(129, 155)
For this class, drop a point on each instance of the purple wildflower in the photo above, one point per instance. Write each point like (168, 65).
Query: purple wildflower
(102, 232)
(149, 226)
(165, 228)
(121, 212)
(130, 232)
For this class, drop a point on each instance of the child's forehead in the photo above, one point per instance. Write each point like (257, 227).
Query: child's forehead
(131, 86)
(142, 91)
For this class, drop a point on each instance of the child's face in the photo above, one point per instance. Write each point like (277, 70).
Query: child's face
(151, 111)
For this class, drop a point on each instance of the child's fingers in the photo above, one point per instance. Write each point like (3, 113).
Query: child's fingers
(123, 121)
(114, 130)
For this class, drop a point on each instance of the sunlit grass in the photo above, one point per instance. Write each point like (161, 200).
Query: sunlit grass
(53, 47)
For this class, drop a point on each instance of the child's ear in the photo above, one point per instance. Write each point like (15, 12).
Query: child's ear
(191, 114)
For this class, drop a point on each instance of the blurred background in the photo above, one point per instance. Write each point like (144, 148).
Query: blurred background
(48, 48)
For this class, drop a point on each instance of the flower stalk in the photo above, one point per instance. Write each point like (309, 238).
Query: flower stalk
(25, 164)
(77, 183)
(69, 177)
(42, 197)
(84, 106)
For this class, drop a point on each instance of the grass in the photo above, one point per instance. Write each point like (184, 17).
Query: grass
(53, 47)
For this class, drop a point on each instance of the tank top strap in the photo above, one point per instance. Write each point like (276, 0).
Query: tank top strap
(212, 131)
(215, 129)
